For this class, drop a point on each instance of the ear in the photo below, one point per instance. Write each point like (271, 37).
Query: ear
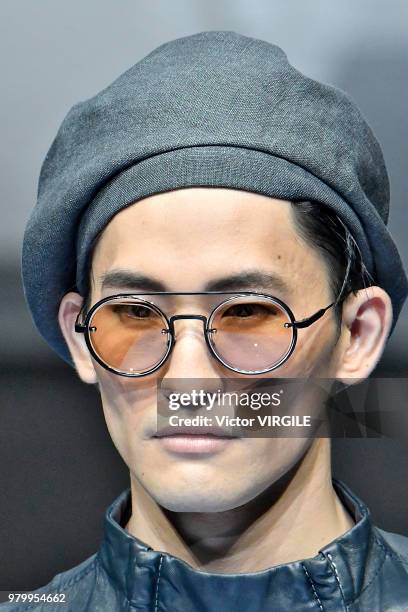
(366, 324)
(69, 308)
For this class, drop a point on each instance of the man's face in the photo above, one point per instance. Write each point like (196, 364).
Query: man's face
(184, 240)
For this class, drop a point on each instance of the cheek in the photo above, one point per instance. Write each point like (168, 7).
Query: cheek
(129, 408)
(276, 455)
(314, 351)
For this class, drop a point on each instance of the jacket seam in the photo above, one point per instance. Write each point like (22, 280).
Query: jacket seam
(336, 575)
(391, 551)
(316, 596)
(385, 553)
(79, 577)
(399, 557)
(156, 598)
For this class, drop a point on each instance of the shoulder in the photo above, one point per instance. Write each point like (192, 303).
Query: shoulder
(397, 544)
(386, 586)
(59, 590)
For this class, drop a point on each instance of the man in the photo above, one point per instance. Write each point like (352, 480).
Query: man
(215, 215)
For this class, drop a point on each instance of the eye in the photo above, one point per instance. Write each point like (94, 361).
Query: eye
(133, 311)
(249, 310)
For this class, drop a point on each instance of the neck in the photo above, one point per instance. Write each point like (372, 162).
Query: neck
(291, 520)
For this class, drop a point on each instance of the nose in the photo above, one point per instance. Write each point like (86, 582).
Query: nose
(190, 365)
(190, 357)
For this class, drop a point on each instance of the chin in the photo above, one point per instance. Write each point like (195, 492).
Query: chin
(204, 499)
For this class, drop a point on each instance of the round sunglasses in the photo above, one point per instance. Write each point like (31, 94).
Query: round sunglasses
(249, 333)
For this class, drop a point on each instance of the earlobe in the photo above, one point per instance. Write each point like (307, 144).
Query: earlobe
(367, 319)
(69, 308)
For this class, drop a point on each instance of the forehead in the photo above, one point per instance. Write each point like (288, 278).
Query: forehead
(191, 235)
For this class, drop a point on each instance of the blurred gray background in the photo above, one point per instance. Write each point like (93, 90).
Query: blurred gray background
(58, 468)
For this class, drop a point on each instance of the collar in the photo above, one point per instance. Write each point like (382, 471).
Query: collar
(332, 579)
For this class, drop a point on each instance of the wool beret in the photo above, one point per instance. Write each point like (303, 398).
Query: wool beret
(215, 108)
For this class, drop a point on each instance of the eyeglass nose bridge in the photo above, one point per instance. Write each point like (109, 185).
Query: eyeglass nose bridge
(188, 316)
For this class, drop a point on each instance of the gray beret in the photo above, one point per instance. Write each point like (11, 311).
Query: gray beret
(212, 109)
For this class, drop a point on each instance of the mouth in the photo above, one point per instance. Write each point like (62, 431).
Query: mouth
(185, 439)
(196, 430)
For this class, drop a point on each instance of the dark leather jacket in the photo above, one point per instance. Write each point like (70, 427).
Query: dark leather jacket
(365, 569)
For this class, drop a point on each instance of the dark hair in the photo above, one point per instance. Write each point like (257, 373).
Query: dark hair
(323, 229)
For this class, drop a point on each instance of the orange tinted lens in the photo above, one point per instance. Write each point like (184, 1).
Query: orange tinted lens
(129, 336)
(249, 334)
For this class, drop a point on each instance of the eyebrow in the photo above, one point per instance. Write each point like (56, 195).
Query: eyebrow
(247, 280)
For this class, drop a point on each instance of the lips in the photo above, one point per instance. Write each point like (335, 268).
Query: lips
(201, 431)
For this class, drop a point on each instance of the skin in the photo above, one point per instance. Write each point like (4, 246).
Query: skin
(257, 502)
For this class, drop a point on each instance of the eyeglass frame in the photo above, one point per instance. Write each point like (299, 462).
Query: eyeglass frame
(294, 324)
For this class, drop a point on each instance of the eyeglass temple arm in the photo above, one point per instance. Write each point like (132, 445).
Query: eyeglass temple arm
(78, 327)
(317, 315)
